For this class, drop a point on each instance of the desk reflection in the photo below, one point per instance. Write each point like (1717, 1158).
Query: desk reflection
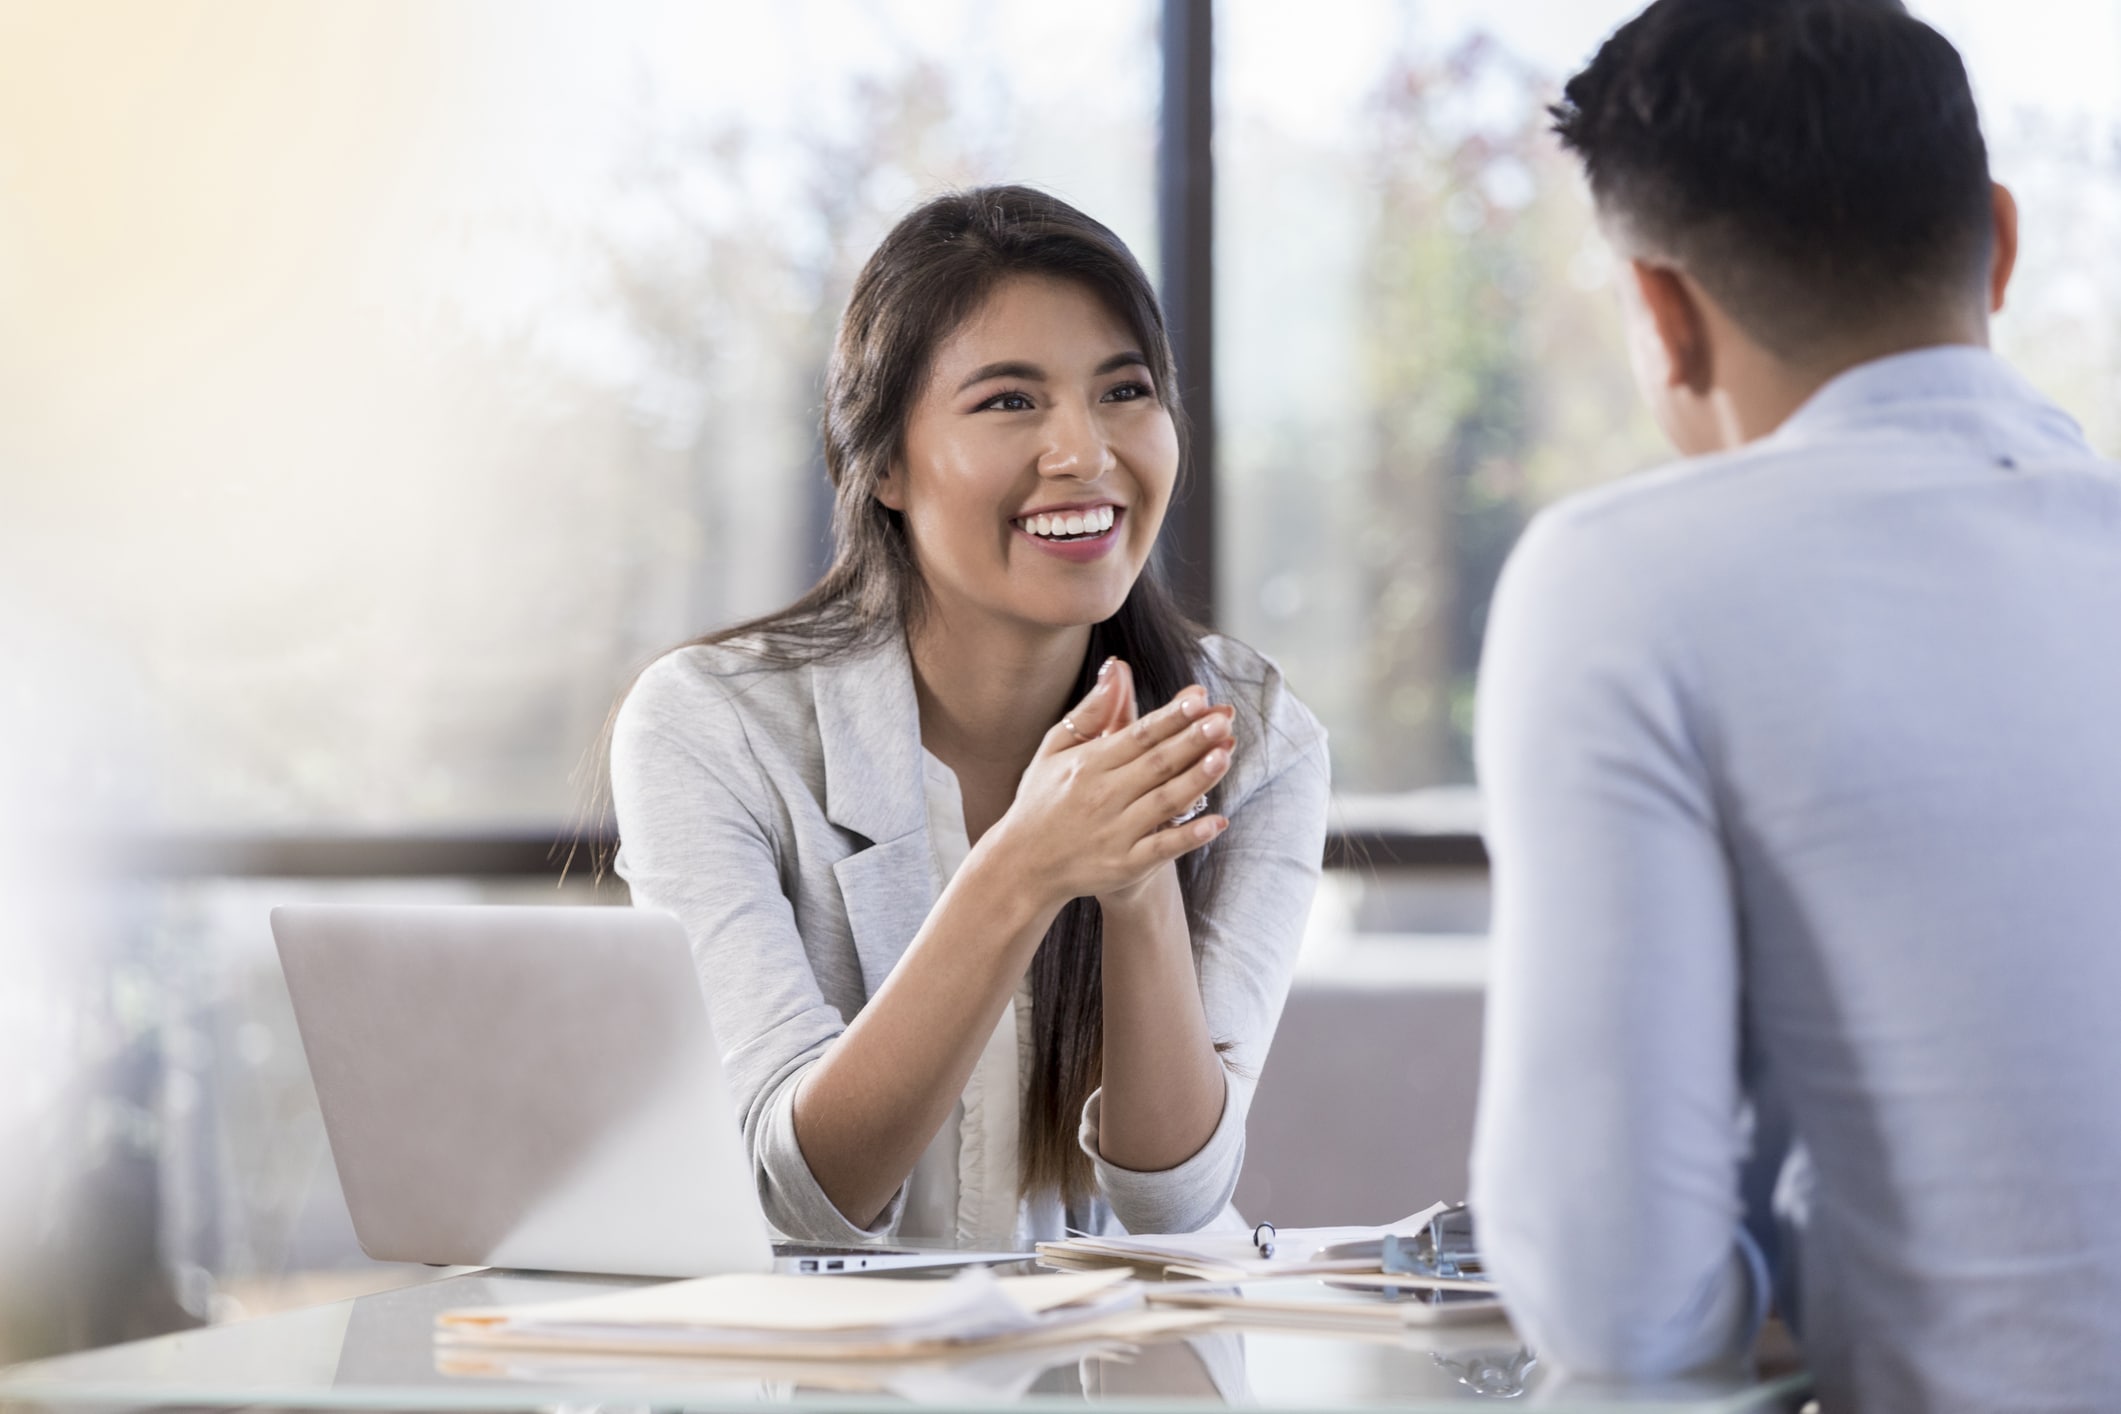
(1199, 1370)
(389, 1340)
(1209, 1368)
(1504, 1372)
(379, 1353)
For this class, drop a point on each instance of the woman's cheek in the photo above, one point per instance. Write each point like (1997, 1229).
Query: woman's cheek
(1155, 461)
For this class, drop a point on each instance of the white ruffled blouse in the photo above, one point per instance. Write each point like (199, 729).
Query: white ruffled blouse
(964, 1187)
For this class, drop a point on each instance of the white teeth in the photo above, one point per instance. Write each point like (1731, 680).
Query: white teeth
(1095, 521)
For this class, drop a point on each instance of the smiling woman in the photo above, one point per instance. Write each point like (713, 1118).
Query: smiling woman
(1082, 416)
(947, 832)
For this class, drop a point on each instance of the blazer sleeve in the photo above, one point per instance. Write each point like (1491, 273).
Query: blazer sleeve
(1263, 874)
(694, 818)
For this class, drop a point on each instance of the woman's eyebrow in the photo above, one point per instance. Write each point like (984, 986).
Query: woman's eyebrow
(1030, 372)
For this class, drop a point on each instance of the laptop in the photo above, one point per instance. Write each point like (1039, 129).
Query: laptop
(537, 1088)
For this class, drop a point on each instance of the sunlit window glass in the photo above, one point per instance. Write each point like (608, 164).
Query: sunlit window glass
(1418, 345)
(394, 379)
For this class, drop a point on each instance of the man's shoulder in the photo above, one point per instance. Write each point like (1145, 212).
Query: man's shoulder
(1672, 499)
(1617, 568)
(1697, 522)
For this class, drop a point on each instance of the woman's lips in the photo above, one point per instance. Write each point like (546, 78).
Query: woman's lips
(1080, 551)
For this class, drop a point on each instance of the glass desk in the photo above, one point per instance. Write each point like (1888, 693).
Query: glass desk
(378, 1352)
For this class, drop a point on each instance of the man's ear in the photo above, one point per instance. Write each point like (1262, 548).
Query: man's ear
(891, 487)
(1675, 320)
(2003, 257)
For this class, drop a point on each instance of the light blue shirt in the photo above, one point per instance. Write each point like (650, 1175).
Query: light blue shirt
(1803, 770)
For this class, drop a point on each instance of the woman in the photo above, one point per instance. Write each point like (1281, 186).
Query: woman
(995, 867)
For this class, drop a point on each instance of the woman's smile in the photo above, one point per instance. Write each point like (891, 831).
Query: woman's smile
(1079, 533)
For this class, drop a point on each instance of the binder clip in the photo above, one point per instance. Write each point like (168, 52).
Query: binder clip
(1442, 1249)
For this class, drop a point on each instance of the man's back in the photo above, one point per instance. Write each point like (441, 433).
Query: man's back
(1832, 725)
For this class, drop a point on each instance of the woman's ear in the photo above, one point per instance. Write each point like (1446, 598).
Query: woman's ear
(891, 487)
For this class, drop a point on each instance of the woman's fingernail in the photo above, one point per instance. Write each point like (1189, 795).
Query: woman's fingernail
(1216, 727)
(1192, 703)
(1104, 669)
(1218, 761)
(1206, 829)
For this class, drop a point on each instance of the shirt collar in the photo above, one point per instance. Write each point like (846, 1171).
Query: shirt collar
(1954, 390)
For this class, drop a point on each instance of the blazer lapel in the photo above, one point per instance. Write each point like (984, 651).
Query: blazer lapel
(887, 889)
(870, 728)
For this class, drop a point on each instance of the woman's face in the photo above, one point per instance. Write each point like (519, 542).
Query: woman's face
(1038, 460)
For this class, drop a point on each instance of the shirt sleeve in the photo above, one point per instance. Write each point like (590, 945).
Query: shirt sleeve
(692, 815)
(1610, 1135)
(1263, 875)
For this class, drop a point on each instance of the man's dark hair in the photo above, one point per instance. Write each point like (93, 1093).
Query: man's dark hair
(1817, 165)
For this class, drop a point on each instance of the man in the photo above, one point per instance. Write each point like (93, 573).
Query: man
(1803, 763)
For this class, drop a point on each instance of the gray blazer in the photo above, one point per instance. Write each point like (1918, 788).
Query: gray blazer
(780, 815)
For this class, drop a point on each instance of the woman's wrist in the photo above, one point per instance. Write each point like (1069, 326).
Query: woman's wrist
(1010, 882)
(1143, 898)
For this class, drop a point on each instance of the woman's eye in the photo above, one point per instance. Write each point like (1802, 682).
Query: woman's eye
(1007, 402)
(1127, 393)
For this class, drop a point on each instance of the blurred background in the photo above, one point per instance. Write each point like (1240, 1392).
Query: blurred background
(381, 385)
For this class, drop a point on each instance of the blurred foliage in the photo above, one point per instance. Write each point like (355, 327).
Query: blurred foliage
(1496, 379)
(725, 264)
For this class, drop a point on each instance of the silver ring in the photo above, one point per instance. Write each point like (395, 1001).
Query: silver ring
(1080, 735)
(1193, 812)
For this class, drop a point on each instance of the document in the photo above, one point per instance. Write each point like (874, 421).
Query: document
(814, 1318)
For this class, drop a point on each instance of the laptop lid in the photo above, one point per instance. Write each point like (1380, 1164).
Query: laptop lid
(522, 1087)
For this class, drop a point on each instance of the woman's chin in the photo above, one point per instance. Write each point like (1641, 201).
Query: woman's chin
(1072, 610)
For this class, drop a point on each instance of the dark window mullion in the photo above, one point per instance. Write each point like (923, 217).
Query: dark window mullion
(1185, 206)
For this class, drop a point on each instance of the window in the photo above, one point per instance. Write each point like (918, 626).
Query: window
(406, 376)
(1418, 346)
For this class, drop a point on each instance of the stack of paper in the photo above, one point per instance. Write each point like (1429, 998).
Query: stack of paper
(824, 1318)
(1227, 1256)
(1312, 1304)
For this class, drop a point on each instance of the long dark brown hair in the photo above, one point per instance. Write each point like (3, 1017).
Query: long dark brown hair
(932, 272)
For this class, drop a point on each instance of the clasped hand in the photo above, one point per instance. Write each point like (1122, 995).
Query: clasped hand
(1092, 815)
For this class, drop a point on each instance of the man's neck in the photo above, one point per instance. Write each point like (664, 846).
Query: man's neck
(989, 690)
(1756, 392)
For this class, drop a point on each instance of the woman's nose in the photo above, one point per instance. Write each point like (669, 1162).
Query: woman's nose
(1077, 447)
